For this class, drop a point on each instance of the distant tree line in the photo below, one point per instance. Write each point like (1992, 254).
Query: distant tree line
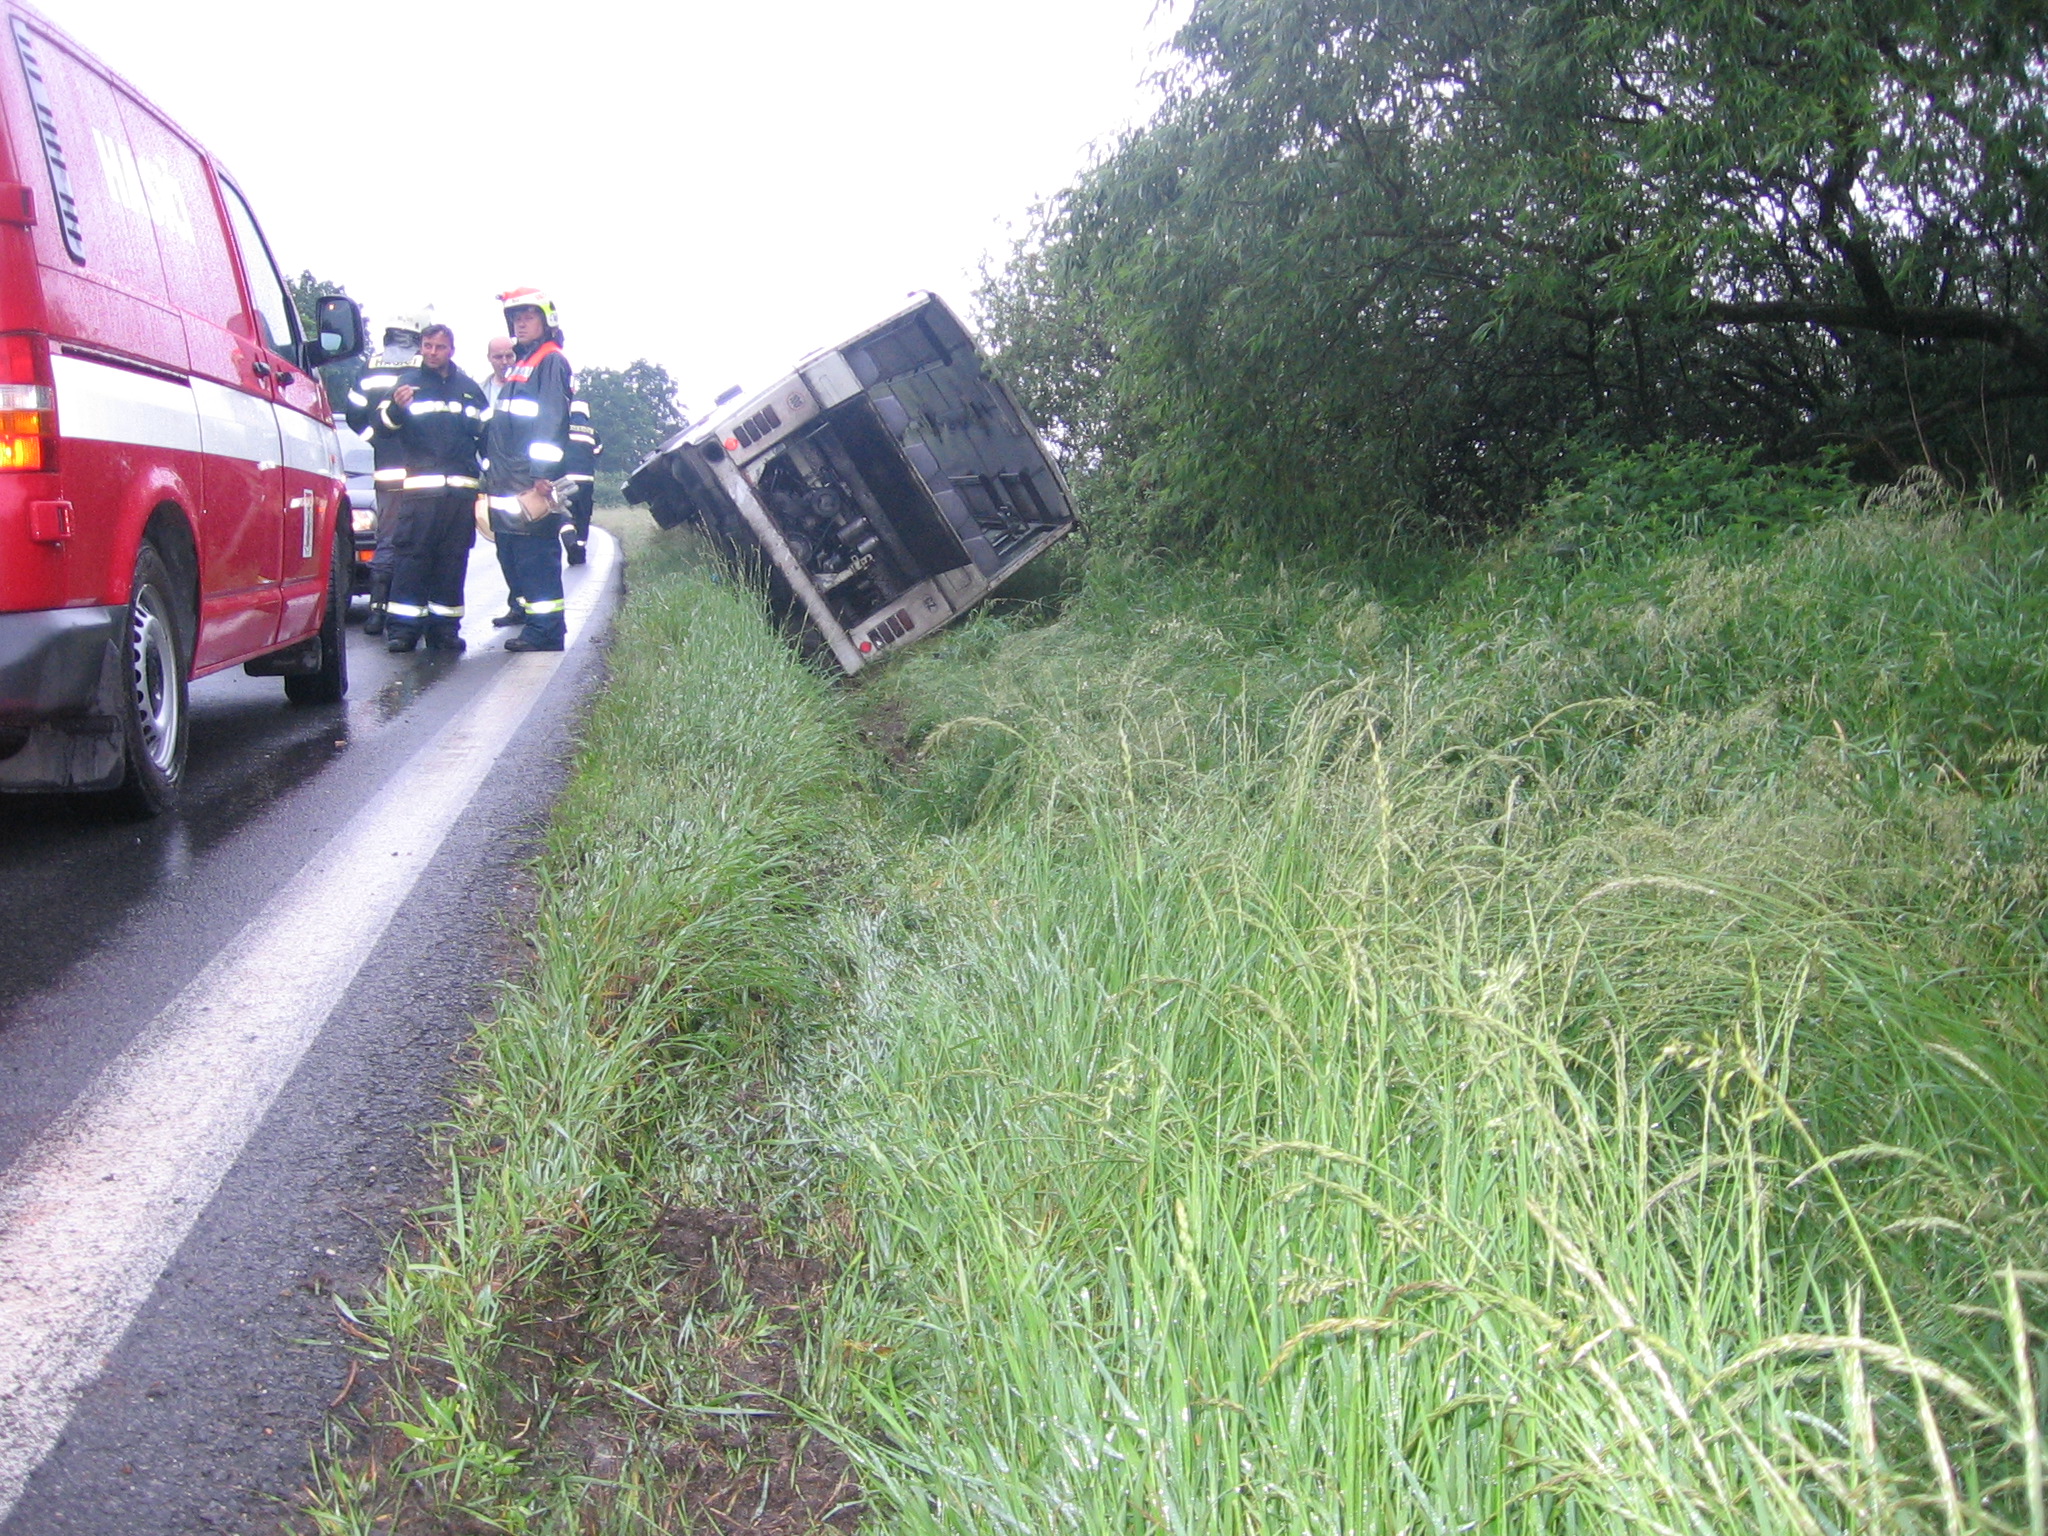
(1384, 262)
(635, 407)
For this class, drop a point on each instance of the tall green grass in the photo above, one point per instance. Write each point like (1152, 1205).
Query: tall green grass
(1547, 1043)
(1567, 1055)
(535, 1357)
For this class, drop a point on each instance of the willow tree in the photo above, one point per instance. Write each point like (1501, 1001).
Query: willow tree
(1415, 255)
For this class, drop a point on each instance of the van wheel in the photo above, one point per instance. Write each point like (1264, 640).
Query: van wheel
(154, 725)
(330, 684)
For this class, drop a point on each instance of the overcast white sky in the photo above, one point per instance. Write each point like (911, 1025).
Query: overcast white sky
(718, 188)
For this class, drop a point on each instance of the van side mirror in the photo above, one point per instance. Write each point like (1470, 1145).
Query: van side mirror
(340, 326)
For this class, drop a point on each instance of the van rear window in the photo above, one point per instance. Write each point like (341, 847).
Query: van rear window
(53, 148)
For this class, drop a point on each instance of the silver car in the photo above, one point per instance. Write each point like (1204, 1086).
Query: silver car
(358, 466)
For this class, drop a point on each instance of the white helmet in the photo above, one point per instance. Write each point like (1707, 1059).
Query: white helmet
(529, 298)
(411, 322)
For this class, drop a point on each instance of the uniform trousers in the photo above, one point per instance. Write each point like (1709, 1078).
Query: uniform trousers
(511, 580)
(429, 561)
(388, 499)
(580, 502)
(535, 561)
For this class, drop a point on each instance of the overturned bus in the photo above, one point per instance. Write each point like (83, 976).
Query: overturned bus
(883, 488)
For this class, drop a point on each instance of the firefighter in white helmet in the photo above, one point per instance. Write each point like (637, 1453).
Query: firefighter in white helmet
(401, 350)
(526, 439)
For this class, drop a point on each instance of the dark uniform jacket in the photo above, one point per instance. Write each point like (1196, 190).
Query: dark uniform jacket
(526, 429)
(439, 431)
(580, 462)
(377, 381)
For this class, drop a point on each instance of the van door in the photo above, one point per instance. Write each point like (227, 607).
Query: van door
(240, 504)
(309, 462)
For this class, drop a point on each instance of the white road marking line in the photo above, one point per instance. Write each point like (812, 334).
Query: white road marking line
(92, 1212)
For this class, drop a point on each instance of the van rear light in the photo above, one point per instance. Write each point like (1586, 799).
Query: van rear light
(28, 404)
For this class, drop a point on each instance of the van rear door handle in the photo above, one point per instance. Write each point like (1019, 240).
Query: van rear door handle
(260, 368)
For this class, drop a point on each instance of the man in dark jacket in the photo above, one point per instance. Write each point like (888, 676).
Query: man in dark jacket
(436, 414)
(526, 438)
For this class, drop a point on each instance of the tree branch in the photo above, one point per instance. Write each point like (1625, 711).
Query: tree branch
(2025, 347)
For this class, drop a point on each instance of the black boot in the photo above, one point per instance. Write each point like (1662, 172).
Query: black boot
(380, 598)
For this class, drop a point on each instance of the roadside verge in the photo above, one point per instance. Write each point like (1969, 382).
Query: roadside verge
(603, 1316)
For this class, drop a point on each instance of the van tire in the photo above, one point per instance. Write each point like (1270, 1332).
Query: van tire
(155, 724)
(330, 684)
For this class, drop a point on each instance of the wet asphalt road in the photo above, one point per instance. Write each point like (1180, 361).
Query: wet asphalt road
(202, 1417)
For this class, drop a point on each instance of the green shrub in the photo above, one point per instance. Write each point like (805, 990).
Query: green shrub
(1624, 504)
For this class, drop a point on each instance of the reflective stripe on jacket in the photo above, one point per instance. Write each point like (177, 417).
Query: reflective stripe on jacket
(580, 462)
(526, 430)
(439, 429)
(377, 382)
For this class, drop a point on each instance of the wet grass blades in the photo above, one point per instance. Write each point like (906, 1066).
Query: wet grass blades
(556, 1359)
(1555, 1048)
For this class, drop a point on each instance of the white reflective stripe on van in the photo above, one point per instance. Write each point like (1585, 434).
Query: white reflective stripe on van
(118, 405)
(308, 446)
(232, 425)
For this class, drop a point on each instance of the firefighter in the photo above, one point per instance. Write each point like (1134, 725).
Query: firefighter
(579, 483)
(526, 439)
(401, 350)
(436, 412)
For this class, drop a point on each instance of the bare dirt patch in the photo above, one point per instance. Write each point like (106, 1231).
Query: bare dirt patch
(756, 1469)
(742, 1465)
(884, 728)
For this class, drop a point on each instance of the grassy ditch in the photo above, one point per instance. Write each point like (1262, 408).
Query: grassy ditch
(597, 1328)
(1560, 1047)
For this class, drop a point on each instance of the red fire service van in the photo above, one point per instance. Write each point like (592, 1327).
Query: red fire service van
(169, 475)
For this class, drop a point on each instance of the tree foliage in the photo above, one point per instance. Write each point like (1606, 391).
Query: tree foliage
(635, 407)
(1377, 258)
